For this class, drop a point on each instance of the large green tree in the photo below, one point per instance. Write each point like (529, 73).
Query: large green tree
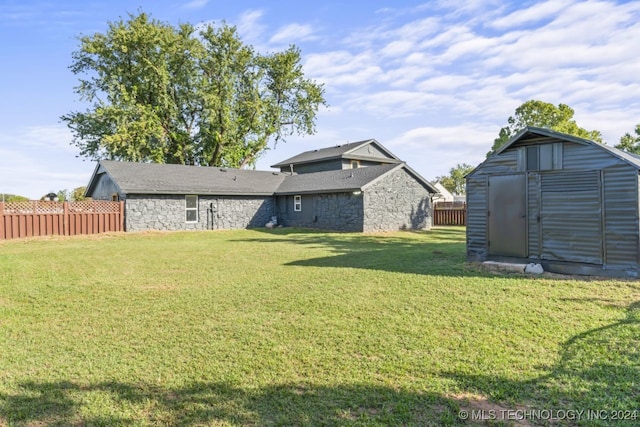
(630, 143)
(545, 115)
(169, 94)
(455, 181)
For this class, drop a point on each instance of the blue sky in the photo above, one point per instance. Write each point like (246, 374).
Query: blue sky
(433, 81)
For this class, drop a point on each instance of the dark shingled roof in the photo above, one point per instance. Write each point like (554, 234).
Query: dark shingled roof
(333, 181)
(153, 178)
(338, 151)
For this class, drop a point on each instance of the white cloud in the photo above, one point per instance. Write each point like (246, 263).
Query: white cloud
(393, 103)
(397, 48)
(292, 33)
(437, 149)
(343, 68)
(535, 13)
(449, 83)
(250, 27)
(48, 137)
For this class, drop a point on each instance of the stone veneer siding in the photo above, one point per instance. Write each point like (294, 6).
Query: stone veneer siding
(334, 211)
(167, 212)
(397, 202)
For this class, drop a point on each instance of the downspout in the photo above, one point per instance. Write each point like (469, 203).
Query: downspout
(210, 216)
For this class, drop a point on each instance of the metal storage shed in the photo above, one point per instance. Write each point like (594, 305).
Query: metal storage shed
(567, 203)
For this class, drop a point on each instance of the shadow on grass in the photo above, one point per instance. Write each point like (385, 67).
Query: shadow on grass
(63, 403)
(598, 370)
(440, 251)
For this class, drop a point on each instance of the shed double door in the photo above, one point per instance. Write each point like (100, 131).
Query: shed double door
(564, 217)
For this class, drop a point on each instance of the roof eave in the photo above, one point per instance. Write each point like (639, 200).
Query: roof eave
(371, 159)
(286, 163)
(323, 191)
(197, 193)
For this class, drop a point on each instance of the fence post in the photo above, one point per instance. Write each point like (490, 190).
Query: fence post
(2, 222)
(65, 218)
(121, 215)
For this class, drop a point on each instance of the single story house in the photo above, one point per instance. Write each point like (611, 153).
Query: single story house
(567, 203)
(354, 187)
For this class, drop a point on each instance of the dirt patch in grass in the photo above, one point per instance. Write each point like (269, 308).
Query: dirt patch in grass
(478, 410)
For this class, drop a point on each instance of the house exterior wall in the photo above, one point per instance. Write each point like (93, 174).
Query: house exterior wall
(167, 212)
(346, 163)
(320, 166)
(330, 165)
(369, 150)
(614, 202)
(104, 188)
(332, 211)
(397, 202)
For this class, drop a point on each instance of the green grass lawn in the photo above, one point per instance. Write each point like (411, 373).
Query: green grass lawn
(293, 327)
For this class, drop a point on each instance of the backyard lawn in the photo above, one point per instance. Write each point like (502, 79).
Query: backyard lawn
(294, 327)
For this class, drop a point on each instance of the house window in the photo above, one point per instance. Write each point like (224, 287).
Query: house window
(297, 203)
(191, 208)
(355, 164)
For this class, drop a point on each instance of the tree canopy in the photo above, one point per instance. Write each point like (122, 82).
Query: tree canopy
(630, 143)
(165, 94)
(6, 197)
(545, 115)
(455, 181)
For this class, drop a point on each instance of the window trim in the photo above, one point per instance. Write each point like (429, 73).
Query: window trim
(297, 203)
(356, 163)
(187, 209)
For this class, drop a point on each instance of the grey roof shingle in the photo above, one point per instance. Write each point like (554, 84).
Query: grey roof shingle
(153, 178)
(332, 153)
(333, 181)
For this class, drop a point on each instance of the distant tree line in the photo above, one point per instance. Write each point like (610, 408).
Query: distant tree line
(76, 195)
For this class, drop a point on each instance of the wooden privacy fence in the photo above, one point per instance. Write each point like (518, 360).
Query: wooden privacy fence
(450, 213)
(43, 218)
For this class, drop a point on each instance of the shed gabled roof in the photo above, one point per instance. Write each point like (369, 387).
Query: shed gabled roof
(338, 152)
(531, 133)
(154, 178)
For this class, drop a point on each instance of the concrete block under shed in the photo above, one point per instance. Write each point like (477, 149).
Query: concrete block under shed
(510, 267)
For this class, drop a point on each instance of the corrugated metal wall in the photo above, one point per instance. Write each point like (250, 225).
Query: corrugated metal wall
(533, 213)
(477, 217)
(620, 184)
